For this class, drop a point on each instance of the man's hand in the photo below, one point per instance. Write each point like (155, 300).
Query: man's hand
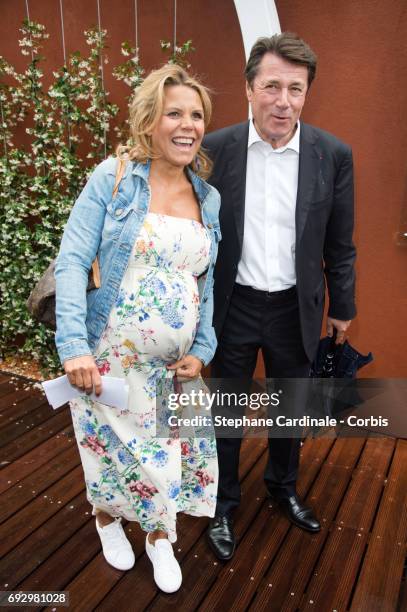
(187, 367)
(340, 326)
(83, 373)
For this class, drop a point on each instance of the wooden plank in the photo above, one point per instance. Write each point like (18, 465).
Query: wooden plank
(336, 572)
(21, 494)
(402, 601)
(24, 522)
(33, 438)
(41, 558)
(16, 411)
(17, 390)
(251, 450)
(18, 377)
(97, 578)
(333, 580)
(100, 580)
(14, 472)
(375, 456)
(237, 581)
(345, 452)
(362, 497)
(4, 380)
(12, 392)
(387, 545)
(20, 389)
(54, 573)
(292, 567)
(44, 541)
(5, 388)
(28, 422)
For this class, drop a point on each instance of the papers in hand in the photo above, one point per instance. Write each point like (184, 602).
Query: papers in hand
(114, 392)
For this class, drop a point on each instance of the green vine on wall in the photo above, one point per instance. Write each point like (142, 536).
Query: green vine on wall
(66, 129)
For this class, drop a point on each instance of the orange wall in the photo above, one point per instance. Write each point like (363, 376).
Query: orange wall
(360, 94)
(211, 24)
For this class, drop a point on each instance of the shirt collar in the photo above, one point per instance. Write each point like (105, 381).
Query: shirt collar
(293, 144)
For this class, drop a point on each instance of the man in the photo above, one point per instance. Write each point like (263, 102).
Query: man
(286, 222)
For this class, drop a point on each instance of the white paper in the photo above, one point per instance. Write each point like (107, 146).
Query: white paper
(115, 392)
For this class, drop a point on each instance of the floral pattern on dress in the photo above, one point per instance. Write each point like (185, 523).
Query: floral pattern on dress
(128, 471)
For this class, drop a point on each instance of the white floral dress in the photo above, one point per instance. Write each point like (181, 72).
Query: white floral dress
(128, 471)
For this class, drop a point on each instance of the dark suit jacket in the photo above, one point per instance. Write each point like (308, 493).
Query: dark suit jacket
(323, 217)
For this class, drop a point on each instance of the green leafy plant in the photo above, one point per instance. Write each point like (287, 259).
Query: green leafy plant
(178, 55)
(62, 131)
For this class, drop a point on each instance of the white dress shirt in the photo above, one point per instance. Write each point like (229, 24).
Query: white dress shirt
(268, 254)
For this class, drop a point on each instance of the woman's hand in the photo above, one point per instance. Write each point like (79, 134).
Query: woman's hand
(83, 373)
(187, 367)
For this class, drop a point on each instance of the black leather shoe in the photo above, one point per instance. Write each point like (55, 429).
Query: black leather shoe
(297, 512)
(221, 537)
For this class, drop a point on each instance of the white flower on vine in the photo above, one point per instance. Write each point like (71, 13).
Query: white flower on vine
(25, 42)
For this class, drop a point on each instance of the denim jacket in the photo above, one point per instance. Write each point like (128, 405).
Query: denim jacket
(108, 227)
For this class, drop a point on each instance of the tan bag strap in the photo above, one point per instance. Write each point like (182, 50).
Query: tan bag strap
(121, 166)
(96, 273)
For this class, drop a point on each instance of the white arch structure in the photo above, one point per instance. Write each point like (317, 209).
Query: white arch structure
(256, 18)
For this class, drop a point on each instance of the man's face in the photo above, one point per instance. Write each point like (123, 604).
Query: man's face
(277, 96)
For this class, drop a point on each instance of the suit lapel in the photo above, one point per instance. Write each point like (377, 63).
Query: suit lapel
(236, 152)
(308, 172)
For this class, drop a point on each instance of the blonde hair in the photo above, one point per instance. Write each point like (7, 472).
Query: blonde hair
(146, 109)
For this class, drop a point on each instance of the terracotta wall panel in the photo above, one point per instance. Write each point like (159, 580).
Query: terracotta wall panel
(359, 95)
(212, 25)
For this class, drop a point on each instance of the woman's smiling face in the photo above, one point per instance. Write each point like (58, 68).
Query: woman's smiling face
(178, 134)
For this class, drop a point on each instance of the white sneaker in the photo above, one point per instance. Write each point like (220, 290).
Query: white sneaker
(116, 547)
(167, 572)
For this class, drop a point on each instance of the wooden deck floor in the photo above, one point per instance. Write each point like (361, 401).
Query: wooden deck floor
(48, 540)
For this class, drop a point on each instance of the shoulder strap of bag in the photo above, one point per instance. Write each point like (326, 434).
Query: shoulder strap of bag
(120, 168)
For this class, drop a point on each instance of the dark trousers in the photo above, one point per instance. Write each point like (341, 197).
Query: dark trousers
(269, 322)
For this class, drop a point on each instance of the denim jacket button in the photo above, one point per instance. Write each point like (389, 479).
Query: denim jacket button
(209, 226)
(118, 212)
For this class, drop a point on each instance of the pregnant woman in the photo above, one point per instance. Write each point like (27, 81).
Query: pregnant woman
(156, 241)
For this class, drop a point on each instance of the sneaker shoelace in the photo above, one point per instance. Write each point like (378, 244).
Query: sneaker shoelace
(164, 553)
(114, 535)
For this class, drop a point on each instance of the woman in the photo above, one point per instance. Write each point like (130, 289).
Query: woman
(156, 243)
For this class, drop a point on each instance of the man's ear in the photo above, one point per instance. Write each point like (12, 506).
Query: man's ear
(249, 92)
